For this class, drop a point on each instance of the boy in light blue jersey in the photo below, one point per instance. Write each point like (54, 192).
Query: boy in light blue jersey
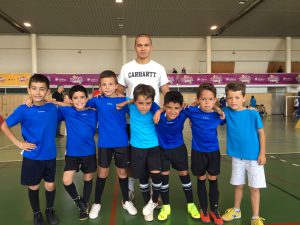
(38, 127)
(245, 143)
(145, 153)
(112, 140)
(80, 147)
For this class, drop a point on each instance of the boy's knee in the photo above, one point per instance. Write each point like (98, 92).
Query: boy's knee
(34, 188)
(67, 180)
(239, 187)
(183, 173)
(49, 186)
(253, 190)
(87, 176)
(103, 172)
(122, 173)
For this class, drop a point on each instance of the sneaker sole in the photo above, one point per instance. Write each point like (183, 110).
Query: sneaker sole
(235, 218)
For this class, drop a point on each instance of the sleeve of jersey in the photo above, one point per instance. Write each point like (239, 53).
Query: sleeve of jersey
(61, 113)
(121, 77)
(16, 117)
(164, 78)
(154, 108)
(91, 103)
(258, 121)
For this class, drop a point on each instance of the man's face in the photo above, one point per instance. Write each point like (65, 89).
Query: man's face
(143, 47)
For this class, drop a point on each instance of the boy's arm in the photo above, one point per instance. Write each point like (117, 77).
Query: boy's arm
(157, 114)
(262, 147)
(220, 112)
(122, 104)
(22, 145)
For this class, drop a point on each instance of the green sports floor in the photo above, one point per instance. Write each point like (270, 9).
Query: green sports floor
(280, 202)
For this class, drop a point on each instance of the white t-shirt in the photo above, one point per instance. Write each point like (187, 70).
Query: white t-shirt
(133, 74)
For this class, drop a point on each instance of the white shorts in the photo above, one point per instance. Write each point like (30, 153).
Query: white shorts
(251, 168)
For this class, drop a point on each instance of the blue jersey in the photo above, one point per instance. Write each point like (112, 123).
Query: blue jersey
(81, 128)
(169, 132)
(204, 129)
(142, 127)
(112, 122)
(38, 126)
(242, 139)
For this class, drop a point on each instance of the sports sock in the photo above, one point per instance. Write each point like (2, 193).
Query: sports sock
(187, 188)
(124, 188)
(87, 190)
(71, 189)
(213, 195)
(34, 200)
(202, 193)
(156, 184)
(164, 189)
(100, 183)
(50, 197)
(131, 183)
(144, 187)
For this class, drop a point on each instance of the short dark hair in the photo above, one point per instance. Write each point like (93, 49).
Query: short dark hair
(77, 88)
(173, 96)
(206, 86)
(142, 35)
(145, 90)
(236, 86)
(39, 78)
(106, 74)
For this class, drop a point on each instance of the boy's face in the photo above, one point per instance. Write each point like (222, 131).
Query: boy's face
(143, 104)
(207, 101)
(108, 86)
(66, 98)
(235, 100)
(79, 100)
(38, 92)
(143, 47)
(172, 110)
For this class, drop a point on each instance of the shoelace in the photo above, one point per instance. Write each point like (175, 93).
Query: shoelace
(217, 215)
(260, 219)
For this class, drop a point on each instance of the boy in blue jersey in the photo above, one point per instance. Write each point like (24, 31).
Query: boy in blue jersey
(38, 127)
(112, 140)
(145, 153)
(245, 143)
(80, 148)
(173, 152)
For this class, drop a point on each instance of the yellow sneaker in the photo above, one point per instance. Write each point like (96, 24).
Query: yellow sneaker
(164, 212)
(258, 221)
(231, 214)
(193, 211)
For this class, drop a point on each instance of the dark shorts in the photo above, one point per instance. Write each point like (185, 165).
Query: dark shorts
(87, 164)
(120, 155)
(177, 157)
(33, 171)
(144, 160)
(205, 161)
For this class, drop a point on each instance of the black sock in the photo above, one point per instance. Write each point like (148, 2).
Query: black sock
(144, 187)
(34, 200)
(202, 194)
(71, 189)
(124, 188)
(156, 184)
(50, 197)
(100, 183)
(213, 195)
(164, 189)
(187, 188)
(87, 190)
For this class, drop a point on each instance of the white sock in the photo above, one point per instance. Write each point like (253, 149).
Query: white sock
(237, 210)
(131, 183)
(254, 217)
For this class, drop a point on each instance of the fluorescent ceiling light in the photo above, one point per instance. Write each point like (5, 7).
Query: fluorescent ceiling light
(26, 24)
(119, 1)
(214, 27)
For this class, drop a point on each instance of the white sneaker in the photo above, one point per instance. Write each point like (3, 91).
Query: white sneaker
(131, 195)
(129, 207)
(148, 209)
(94, 212)
(149, 217)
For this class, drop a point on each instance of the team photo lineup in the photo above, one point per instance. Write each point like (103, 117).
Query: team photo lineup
(142, 134)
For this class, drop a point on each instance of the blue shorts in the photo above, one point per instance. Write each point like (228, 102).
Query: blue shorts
(33, 171)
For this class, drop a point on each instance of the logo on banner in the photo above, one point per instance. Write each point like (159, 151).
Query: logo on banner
(187, 79)
(216, 79)
(76, 79)
(273, 79)
(245, 79)
(2, 79)
(23, 79)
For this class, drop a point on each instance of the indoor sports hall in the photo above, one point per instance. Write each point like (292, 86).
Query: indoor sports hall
(256, 42)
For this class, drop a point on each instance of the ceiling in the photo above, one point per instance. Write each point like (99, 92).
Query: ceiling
(277, 18)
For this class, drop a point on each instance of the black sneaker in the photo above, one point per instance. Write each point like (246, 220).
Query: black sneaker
(81, 204)
(83, 215)
(51, 217)
(38, 219)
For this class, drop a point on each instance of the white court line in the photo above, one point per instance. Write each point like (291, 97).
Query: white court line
(282, 153)
(272, 156)
(294, 164)
(6, 146)
(282, 160)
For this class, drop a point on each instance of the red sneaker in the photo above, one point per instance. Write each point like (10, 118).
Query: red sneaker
(216, 217)
(204, 216)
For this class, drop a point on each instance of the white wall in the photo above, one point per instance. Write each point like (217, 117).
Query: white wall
(92, 54)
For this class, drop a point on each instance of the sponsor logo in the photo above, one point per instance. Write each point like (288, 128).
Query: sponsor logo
(76, 79)
(245, 79)
(273, 79)
(216, 79)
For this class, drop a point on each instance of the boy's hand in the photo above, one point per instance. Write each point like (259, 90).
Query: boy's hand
(28, 102)
(156, 116)
(120, 105)
(222, 116)
(262, 159)
(26, 146)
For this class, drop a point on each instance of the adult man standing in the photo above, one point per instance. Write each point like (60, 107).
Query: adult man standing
(59, 97)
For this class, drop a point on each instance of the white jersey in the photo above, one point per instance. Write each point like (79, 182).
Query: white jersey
(133, 74)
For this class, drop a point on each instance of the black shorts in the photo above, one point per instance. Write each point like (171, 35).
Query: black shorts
(87, 164)
(33, 171)
(177, 157)
(205, 161)
(120, 155)
(144, 160)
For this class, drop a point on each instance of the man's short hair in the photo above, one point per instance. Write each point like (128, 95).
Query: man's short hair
(208, 87)
(147, 91)
(173, 96)
(142, 35)
(236, 86)
(39, 78)
(77, 88)
(106, 74)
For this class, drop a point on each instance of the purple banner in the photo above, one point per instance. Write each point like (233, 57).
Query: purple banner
(189, 79)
